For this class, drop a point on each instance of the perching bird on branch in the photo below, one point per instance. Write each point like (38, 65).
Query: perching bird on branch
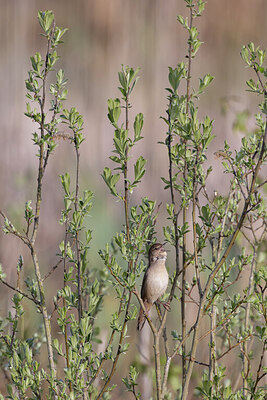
(155, 281)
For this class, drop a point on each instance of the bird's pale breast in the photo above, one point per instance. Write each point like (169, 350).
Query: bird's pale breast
(156, 282)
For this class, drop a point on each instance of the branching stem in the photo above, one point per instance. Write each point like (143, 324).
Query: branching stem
(218, 266)
(183, 310)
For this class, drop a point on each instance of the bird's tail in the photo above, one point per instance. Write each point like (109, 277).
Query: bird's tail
(142, 317)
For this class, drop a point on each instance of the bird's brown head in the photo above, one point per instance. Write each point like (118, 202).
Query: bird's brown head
(157, 252)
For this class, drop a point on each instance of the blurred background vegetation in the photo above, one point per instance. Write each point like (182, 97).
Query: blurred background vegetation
(104, 34)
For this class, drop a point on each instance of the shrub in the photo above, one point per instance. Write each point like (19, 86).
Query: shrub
(202, 231)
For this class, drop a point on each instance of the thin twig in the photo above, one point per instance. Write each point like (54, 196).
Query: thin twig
(234, 346)
(11, 229)
(52, 270)
(20, 292)
(258, 376)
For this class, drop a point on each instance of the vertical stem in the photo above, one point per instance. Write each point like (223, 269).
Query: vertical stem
(195, 228)
(183, 310)
(39, 194)
(21, 325)
(183, 316)
(212, 350)
(64, 299)
(43, 308)
(76, 234)
(113, 368)
(246, 324)
(170, 155)
(41, 147)
(77, 245)
(46, 318)
(175, 217)
(193, 351)
(145, 379)
(175, 226)
(126, 192)
(130, 263)
(157, 365)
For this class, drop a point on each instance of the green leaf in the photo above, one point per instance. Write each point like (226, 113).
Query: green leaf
(111, 180)
(127, 78)
(174, 112)
(123, 81)
(132, 74)
(138, 125)
(183, 21)
(139, 169)
(59, 32)
(176, 75)
(173, 79)
(124, 347)
(245, 55)
(205, 82)
(85, 326)
(261, 55)
(206, 215)
(114, 110)
(175, 335)
(65, 180)
(46, 19)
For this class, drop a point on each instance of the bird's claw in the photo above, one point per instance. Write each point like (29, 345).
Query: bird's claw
(167, 306)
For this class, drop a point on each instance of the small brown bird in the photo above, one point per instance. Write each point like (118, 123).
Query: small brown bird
(155, 280)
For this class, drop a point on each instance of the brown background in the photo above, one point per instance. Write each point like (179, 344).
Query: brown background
(103, 34)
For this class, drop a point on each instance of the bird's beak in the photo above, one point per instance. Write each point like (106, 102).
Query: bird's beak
(162, 247)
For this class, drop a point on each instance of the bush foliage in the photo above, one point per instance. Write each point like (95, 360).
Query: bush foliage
(202, 231)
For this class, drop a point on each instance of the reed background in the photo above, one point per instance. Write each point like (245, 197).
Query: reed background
(103, 34)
